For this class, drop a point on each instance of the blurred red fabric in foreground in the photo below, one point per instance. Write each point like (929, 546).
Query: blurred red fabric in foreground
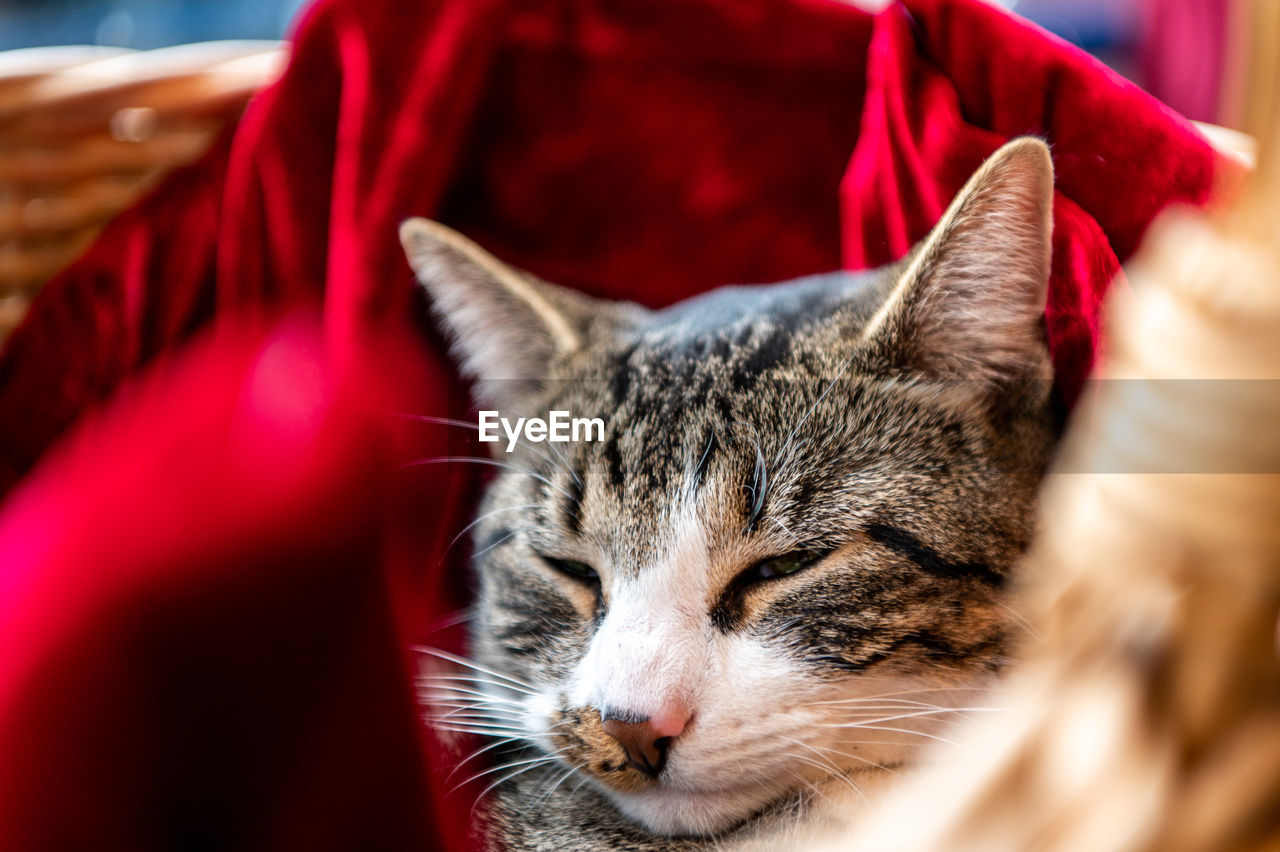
(206, 583)
(200, 643)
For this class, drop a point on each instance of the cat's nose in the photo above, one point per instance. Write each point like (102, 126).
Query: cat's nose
(646, 740)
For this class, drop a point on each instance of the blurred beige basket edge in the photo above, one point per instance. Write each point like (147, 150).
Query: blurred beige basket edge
(85, 131)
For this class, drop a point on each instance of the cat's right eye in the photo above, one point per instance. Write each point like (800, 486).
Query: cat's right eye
(784, 565)
(580, 571)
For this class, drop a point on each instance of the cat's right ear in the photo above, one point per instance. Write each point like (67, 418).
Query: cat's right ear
(970, 303)
(507, 327)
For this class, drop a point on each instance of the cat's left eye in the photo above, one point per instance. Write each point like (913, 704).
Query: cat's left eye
(575, 569)
(787, 563)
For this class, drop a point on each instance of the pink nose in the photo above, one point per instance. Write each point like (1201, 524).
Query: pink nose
(646, 740)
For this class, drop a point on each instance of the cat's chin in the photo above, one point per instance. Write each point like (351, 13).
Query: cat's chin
(679, 813)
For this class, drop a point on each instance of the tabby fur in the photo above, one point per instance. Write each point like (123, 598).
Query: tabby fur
(888, 429)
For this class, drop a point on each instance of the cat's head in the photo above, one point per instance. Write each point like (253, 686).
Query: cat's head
(785, 555)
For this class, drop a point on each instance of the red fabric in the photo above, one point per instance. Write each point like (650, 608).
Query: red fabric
(195, 607)
(205, 585)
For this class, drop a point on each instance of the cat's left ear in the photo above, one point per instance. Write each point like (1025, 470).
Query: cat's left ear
(507, 327)
(970, 303)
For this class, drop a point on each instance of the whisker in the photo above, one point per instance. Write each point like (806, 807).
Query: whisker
(491, 462)
(517, 685)
(497, 714)
(805, 781)
(534, 765)
(452, 620)
(895, 744)
(459, 680)
(506, 538)
(553, 787)
(920, 713)
(475, 427)
(473, 755)
(466, 717)
(834, 765)
(503, 767)
(510, 712)
(1021, 620)
(836, 773)
(922, 691)
(867, 727)
(477, 727)
(785, 529)
(452, 685)
(586, 779)
(563, 466)
(478, 705)
(759, 487)
(702, 460)
(860, 712)
(452, 695)
(564, 463)
(483, 517)
(441, 421)
(905, 707)
(471, 716)
(438, 712)
(875, 702)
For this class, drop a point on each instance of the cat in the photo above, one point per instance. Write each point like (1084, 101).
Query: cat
(783, 567)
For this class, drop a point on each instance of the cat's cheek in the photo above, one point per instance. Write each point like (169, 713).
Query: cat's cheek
(541, 717)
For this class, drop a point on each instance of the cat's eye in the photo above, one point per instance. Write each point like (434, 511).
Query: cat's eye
(784, 565)
(573, 568)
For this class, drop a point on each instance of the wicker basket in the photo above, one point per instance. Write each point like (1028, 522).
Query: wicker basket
(84, 131)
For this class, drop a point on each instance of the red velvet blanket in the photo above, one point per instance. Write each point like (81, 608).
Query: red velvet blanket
(211, 559)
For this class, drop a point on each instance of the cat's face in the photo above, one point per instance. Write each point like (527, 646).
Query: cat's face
(785, 556)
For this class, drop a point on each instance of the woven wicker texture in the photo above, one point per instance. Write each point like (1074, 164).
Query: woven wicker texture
(84, 131)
